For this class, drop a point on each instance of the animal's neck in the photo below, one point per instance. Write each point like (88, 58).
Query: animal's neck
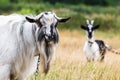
(90, 39)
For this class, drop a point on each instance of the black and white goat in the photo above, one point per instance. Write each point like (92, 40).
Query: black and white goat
(94, 49)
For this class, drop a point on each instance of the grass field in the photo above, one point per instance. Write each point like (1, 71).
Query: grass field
(70, 63)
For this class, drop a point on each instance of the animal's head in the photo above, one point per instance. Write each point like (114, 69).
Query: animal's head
(90, 28)
(47, 22)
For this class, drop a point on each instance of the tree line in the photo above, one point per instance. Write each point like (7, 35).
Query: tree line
(87, 2)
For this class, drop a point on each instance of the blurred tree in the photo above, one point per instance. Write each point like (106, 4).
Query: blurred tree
(14, 1)
(96, 2)
(88, 2)
(4, 1)
(112, 2)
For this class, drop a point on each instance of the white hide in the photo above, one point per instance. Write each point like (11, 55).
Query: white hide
(17, 48)
(91, 51)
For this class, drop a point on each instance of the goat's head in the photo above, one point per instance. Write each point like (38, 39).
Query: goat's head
(47, 22)
(90, 28)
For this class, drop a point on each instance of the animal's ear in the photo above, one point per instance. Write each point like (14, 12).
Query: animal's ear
(83, 27)
(31, 20)
(96, 27)
(63, 19)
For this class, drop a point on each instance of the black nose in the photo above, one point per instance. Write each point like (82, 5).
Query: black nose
(90, 35)
(48, 37)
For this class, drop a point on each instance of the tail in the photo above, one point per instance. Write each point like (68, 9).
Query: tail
(109, 48)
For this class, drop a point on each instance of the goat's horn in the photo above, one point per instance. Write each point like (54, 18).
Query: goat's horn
(87, 21)
(92, 22)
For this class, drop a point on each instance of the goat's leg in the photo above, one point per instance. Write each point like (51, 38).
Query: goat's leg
(88, 60)
(43, 57)
(43, 62)
(102, 56)
(52, 53)
(97, 56)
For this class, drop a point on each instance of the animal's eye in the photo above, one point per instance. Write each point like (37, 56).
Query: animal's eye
(46, 13)
(87, 28)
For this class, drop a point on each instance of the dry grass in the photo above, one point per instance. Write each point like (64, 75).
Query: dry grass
(71, 64)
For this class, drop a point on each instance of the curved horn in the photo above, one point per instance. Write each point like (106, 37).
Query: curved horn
(61, 19)
(34, 19)
(39, 16)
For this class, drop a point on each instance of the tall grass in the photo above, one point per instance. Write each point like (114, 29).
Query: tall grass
(70, 63)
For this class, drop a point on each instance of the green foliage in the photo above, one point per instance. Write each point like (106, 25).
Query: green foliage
(87, 2)
(107, 17)
(6, 7)
(112, 2)
(4, 1)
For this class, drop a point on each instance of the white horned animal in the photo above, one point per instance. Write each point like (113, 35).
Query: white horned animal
(22, 38)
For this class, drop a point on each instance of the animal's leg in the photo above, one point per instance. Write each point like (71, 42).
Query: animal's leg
(97, 56)
(52, 54)
(4, 72)
(20, 77)
(88, 60)
(43, 57)
(43, 62)
(102, 56)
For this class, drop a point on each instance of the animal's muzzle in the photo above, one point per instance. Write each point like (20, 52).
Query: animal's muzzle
(49, 37)
(90, 35)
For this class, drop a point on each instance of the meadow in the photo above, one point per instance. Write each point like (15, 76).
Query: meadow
(71, 64)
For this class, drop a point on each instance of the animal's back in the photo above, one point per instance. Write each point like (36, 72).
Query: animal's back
(6, 19)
